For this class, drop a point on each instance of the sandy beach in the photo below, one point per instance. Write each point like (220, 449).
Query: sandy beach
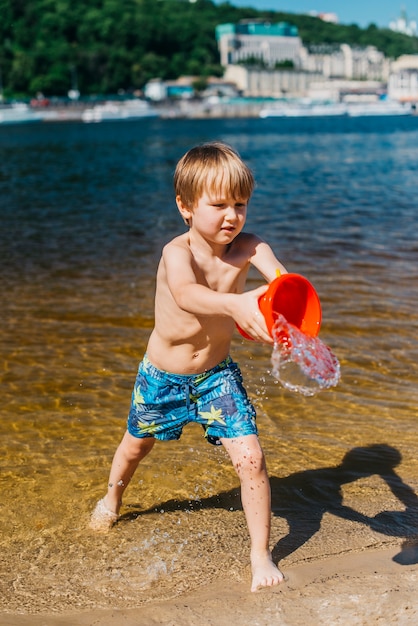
(79, 249)
(369, 587)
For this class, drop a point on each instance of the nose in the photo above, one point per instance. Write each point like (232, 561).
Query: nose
(231, 214)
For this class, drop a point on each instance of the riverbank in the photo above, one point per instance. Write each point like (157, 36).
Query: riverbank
(356, 588)
(209, 108)
(199, 109)
(108, 110)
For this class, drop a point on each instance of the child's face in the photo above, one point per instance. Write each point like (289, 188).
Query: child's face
(216, 217)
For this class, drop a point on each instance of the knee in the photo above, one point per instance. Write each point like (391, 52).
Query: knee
(251, 462)
(135, 449)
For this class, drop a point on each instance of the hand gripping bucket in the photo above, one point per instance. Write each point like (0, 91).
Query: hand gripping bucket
(294, 297)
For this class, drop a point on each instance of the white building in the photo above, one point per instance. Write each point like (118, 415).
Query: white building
(345, 62)
(274, 43)
(155, 89)
(344, 90)
(183, 88)
(404, 25)
(403, 79)
(332, 18)
(325, 17)
(269, 83)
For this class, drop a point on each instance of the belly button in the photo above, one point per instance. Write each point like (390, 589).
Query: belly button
(196, 354)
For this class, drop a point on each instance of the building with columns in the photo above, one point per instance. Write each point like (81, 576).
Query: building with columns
(344, 61)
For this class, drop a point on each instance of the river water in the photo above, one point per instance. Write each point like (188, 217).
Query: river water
(85, 211)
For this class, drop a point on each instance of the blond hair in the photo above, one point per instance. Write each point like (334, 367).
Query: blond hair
(214, 168)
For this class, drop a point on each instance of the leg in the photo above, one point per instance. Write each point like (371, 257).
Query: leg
(248, 459)
(130, 452)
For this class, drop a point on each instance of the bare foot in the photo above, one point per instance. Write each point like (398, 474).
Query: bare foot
(265, 573)
(102, 518)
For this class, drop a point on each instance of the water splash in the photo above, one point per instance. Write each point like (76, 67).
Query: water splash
(300, 363)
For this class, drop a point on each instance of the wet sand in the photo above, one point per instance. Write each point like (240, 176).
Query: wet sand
(369, 587)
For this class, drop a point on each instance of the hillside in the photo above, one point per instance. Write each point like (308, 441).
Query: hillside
(104, 46)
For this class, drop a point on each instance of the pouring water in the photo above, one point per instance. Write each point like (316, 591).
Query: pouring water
(302, 363)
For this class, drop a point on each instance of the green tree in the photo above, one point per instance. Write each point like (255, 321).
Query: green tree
(120, 44)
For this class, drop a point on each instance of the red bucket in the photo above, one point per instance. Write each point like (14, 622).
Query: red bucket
(294, 297)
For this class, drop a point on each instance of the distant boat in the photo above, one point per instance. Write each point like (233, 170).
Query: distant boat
(381, 107)
(130, 109)
(19, 113)
(303, 109)
(311, 109)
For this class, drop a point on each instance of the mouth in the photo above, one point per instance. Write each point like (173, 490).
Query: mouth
(228, 229)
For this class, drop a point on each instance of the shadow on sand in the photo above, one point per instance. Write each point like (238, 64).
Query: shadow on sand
(304, 497)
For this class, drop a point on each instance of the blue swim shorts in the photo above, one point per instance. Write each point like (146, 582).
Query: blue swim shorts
(163, 403)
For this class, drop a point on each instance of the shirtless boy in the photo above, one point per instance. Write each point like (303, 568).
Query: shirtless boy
(187, 374)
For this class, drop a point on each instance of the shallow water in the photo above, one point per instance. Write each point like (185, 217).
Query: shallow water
(85, 211)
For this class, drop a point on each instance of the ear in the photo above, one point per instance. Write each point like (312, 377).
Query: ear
(185, 212)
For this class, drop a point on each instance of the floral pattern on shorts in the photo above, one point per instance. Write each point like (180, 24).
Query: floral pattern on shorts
(163, 403)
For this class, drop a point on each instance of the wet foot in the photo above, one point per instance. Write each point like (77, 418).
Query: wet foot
(265, 573)
(102, 518)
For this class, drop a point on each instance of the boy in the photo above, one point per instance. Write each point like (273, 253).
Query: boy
(187, 373)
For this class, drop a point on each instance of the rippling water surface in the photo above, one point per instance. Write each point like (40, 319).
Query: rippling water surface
(85, 211)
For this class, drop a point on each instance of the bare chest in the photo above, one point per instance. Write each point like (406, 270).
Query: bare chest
(220, 276)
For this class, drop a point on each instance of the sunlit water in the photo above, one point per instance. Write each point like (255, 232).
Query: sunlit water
(85, 211)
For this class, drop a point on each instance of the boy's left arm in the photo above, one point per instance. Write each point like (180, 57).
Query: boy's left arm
(266, 262)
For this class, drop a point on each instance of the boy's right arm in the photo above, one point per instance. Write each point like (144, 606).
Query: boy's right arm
(200, 300)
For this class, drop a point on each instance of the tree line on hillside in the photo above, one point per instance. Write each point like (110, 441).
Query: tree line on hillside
(104, 46)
